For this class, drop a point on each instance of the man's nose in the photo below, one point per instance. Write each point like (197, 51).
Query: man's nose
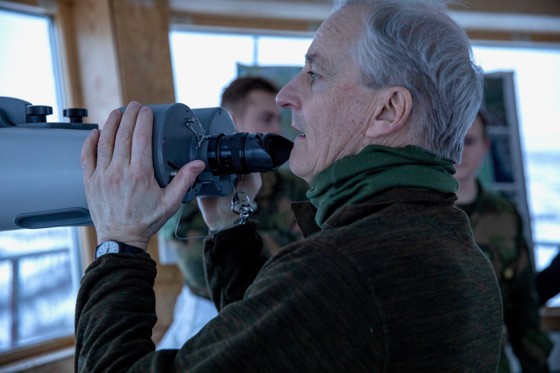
(287, 98)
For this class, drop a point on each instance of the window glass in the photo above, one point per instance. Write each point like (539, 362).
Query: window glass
(27, 69)
(37, 285)
(39, 269)
(281, 50)
(204, 62)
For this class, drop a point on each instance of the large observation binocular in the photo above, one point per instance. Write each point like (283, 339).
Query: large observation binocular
(41, 179)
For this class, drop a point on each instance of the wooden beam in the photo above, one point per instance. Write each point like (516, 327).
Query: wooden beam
(99, 88)
(528, 7)
(141, 36)
(538, 20)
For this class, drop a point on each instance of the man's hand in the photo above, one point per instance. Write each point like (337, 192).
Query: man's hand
(125, 201)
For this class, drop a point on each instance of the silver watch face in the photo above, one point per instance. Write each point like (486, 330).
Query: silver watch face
(108, 247)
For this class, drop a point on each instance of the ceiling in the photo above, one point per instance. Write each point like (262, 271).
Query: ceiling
(534, 16)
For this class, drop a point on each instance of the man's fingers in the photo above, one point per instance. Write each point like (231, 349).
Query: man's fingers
(124, 134)
(88, 157)
(141, 153)
(106, 139)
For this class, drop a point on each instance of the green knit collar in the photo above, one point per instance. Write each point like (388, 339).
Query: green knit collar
(357, 178)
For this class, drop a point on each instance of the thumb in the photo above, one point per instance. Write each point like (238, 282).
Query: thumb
(183, 180)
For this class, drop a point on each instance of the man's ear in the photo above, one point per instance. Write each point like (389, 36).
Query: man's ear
(391, 113)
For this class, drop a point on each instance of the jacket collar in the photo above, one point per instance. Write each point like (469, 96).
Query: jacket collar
(305, 212)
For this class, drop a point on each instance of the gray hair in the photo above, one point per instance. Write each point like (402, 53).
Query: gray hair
(414, 44)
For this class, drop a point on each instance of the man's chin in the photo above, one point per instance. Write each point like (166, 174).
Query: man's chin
(293, 164)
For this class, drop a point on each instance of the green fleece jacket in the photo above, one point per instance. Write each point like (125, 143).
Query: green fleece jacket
(392, 284)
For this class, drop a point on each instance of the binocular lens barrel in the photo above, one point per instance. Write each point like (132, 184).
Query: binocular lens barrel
(243, 152)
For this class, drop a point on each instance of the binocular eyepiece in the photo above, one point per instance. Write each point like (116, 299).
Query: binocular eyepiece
(243, 153)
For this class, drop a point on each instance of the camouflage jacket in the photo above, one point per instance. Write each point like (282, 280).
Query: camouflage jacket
(498, 231)
(276, 225)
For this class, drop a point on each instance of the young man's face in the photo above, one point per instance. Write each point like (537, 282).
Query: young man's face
(262, 114)
(474, 150)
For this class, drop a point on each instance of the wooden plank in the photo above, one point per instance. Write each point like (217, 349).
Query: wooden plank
(543, 7)
(100, 82)
(141, 36)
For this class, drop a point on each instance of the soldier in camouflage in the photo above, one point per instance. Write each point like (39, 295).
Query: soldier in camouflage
(251, 103)
(498, 231)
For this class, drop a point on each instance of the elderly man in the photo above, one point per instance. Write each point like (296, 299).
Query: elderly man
(388, 277)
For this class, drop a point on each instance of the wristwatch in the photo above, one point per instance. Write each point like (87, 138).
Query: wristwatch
(114, 247)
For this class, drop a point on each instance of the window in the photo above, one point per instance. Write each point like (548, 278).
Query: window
(39, 269)
(205, 62)
(22, 74)
(37, 285)
(201, 76)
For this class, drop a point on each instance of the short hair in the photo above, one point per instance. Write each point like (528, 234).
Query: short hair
(234, 96)
(414, 44)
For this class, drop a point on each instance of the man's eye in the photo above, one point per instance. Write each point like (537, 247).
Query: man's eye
(312, 75)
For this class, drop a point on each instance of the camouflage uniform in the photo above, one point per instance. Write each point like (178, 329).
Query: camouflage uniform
(497, 229)
(277, 225)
